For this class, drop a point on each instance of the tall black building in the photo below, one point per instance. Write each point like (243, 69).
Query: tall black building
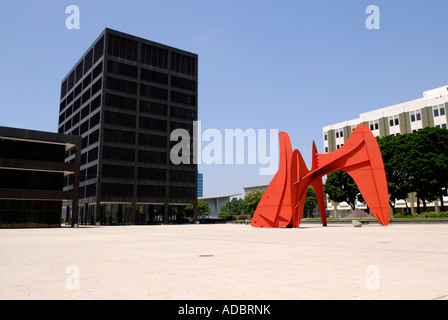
(124, 97)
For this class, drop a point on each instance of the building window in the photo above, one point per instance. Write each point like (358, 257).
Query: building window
(325, 137)
(439, 115)
(393, 121)
(415, 116)
(339, 133)
(374, 125)
(439, 110)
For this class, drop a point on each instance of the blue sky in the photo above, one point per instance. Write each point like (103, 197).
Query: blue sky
(295, 66)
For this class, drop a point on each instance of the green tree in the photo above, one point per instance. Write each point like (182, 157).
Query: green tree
(340, 187)
(250, 201)
(416, 162)
(394, 149)
(203, 209)
(233, 207)
(310, 202)
(428, 163)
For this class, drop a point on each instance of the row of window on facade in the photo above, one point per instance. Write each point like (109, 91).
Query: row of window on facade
(127, 49)
(395, 121)
(143, 191)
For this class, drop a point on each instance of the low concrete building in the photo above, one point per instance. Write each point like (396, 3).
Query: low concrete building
(217, 202)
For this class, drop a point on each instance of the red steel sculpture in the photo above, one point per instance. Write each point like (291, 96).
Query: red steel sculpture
(283, 201)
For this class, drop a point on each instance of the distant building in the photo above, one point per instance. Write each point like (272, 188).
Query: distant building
(200, 185)
(32, 171)
(406, 117)
(249, 189)
(217, 202)
(124, 97)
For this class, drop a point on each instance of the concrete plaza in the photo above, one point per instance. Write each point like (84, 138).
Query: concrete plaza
(226, 261)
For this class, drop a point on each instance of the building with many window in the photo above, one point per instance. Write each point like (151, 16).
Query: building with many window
(124, 97)
(200, 184)
(406, 117)
(32, 171)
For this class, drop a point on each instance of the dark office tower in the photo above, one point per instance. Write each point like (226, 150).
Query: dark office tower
(124, 97)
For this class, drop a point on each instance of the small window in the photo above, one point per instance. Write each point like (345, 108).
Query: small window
(444, 126)
(412, 117)
(396, 120)
(325, 137)
(419, 116)
(442, 111)
(436, 112)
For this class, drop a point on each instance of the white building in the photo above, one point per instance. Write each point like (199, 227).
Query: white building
(406, 117)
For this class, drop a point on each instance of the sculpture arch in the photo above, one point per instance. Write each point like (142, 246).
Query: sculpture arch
(283, 201)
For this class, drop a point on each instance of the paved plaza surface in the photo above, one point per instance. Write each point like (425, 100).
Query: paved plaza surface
(226, 261)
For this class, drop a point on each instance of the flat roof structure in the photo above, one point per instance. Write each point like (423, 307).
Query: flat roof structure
(32, 170)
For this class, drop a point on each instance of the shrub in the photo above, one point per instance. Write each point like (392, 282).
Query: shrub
(223, 215)
(429, 215)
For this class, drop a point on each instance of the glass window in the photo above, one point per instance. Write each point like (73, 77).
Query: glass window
(442, 111)
(419, 116)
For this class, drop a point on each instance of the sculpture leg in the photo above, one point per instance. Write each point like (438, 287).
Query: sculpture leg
(274, 209)
(319, 191)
